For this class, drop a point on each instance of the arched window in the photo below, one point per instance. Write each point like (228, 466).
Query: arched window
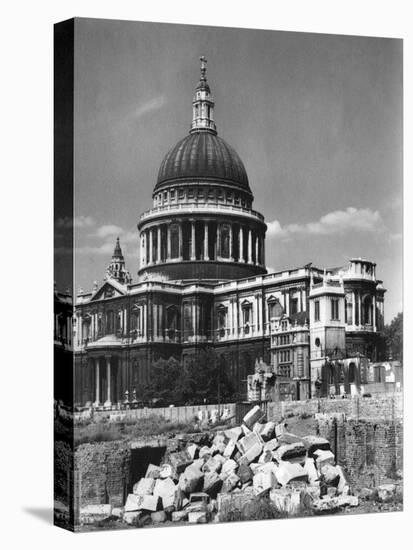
(367, 310)
(246, 307)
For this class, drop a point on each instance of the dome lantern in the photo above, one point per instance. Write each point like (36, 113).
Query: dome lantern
(203, 104)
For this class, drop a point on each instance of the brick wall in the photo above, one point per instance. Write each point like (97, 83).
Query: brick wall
(370, 451)
(103, 472)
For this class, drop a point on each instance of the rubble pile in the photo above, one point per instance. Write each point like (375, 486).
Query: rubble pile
(256, 459)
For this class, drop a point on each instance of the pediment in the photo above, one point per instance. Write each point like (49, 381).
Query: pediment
(109, 290)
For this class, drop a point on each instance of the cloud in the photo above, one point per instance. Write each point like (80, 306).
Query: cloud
(151, 105)
(102, 241)
(77, 221)
(338, 222)
(107, 231)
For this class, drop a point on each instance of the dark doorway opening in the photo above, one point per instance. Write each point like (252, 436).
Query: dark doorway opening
(140, 460)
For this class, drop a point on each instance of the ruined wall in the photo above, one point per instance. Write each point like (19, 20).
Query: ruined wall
(384, 407)
(102, 472)
(370, 451)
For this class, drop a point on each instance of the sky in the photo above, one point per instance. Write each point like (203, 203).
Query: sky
(316, 119)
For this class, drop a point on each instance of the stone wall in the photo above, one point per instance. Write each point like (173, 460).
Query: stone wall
(384, 407)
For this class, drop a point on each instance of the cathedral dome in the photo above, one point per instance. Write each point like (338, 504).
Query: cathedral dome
(205, 156)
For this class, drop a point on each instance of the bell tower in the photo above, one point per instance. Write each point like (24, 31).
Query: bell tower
(116, 269)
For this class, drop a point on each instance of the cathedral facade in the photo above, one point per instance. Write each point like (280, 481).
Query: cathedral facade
(202, 282)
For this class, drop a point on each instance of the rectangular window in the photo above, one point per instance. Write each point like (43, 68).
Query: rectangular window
(334, 309)
(316, 310)
(294, 306)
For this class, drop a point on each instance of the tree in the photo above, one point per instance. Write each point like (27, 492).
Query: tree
(164, 382)
(393, 334)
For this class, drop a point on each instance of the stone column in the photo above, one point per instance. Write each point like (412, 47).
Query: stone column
(255, 314)
(108, 402)
(256, 249)
(359, 307)
(151, 258)
(143, 249)
(168, 241)
(158, 245)
(353, 308)
(374, 314)
(218, 243)
(193, 256)
(241, 244)
(97, 382)
(250, 246)
(230, 243)
(206, 252)
(235, 317)
(180, 240)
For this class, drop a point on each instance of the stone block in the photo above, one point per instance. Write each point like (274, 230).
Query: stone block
(179, 515)
(263, 482)
(258, 428)
(287, 471)
(266, 456)
(179, 461)
(293, 452)
(133, 503)
(342, 483)
(315, 443)
(117, 512)
(271, 445)
(149, 503)
(190, 479)
(212, 465)
(144, 486)
(204, 452)
(153, 471)
(230, 449)
(212, 484)
(244, 473)
(193, 450)
(311, 470)
(250, 441)
(95, 512)
(167, 491)
(331, 491)
(166, 470)
(233, 434)
(330, 474)
(279, 429)
(287, 438)
(132, 518)
(158, 517)
(229, 467)
(267, 432)
(254, 415)
(323, 457)
(198, 517)
(230, 483)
